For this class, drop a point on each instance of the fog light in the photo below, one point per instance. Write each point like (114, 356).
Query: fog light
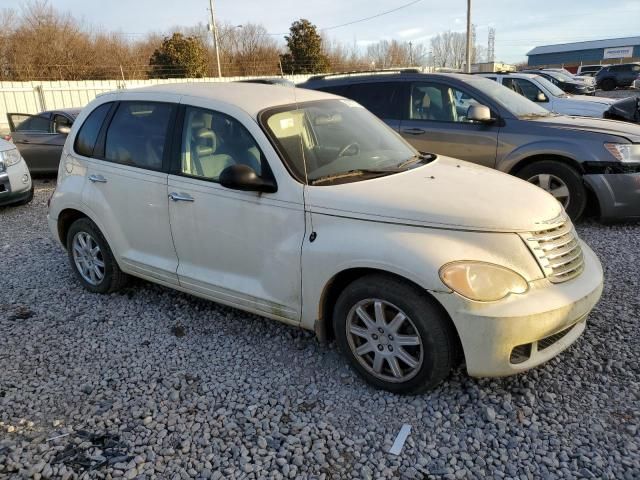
(25, 178)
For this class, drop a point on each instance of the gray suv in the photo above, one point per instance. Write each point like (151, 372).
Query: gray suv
(576, 159)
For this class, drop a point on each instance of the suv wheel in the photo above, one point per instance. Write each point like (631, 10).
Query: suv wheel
(393, 335)
(91, 258)
(608, 84)
(561, 181)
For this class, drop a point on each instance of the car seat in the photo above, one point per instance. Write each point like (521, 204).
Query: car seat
(206, 159)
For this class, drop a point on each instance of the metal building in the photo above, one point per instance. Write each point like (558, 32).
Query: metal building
(613, 50)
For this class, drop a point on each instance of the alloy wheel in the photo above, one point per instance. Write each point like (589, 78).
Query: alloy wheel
(554, 185)
(88, 258)
(384, 340)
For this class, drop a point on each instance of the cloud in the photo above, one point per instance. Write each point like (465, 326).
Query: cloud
(409, 32)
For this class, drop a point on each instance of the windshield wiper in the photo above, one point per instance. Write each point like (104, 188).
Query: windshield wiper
(353, 173)
(415, 159)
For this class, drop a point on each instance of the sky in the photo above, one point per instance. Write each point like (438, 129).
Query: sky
(520, 24)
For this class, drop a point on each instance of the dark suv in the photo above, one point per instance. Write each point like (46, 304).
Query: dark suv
(566, 83)
(613, 76)
(478, 120)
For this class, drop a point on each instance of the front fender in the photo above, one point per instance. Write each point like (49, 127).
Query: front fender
(413, 253)
(568, 149)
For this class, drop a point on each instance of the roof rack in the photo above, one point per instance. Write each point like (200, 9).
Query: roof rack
(365, 72)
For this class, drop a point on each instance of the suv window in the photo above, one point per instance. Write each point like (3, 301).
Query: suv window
(523, 87)
(88, 134)
(212, 141)
(137, 134)
(336, 90)
(620, 68)
(33, 123)
(60, 121)
(381, 99)
(440, 103)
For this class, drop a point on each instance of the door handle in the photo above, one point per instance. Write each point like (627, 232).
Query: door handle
(180, 197)
(97, 179)
(413, 131)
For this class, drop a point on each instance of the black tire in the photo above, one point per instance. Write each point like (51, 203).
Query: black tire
(439, 340)
(608, 84)
(567, 174)
(114, 279)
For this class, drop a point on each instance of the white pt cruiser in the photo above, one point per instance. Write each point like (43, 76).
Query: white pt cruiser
(303, 207)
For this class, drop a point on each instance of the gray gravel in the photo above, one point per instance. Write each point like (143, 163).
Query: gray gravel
(190, 389)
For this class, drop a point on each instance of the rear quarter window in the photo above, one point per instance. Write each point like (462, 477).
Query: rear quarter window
(88, 134)
(137, 134)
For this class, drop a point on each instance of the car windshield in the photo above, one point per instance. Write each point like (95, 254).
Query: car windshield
(553, 90)
(329, 141)
(514, 102)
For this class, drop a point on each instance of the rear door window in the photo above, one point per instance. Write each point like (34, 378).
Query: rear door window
(137, 134)
(88, 134)
(380, 98)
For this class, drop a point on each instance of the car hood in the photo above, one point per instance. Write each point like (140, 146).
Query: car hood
(627, 130)
(445, 193)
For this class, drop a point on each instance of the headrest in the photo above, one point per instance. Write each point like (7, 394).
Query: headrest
(426, 101)
(206, 137)
(197, 121)
(204, 150)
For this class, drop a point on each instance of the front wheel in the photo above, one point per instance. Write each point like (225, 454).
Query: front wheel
(560, 180)
(608, 84)
(91, 258)
(394, 336)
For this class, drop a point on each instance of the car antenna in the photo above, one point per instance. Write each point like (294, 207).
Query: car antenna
(313, 234)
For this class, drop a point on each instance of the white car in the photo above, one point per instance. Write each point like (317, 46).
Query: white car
(15, 179)
(303, 207)
(540, 90)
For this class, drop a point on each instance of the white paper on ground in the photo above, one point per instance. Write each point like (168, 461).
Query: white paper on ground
(396, 448)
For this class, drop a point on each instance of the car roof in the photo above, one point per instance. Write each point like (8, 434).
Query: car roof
(250, 97)
(355, 77)
(509, 74)
(74, 112)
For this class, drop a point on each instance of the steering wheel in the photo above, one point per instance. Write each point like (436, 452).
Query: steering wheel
(355, 145)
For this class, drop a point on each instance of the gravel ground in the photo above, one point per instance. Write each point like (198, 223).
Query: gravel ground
(158, 384)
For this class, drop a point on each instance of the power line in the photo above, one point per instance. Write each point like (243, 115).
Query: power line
(373, 16)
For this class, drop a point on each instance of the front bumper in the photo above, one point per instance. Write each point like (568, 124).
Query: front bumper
(547, 319)
(15, 184)
(618, 194)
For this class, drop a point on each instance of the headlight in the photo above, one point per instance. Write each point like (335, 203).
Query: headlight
(484, 282)
(625, 152)
(10, 157)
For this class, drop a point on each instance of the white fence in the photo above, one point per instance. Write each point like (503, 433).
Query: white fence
(34, 97)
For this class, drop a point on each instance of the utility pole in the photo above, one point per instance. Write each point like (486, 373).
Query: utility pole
(410, 54)
(468, 36)
(214, 29)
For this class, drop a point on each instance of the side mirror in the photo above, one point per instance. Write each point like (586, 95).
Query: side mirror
(479, 113)
(541, 97)
(63, 129)
(243, 177)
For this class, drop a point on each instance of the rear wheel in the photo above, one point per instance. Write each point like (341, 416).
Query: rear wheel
(608, 84)
(91, 258)
(394, 335)
(561, 181)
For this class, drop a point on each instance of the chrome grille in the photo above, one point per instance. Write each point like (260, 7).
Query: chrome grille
(558, 252)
